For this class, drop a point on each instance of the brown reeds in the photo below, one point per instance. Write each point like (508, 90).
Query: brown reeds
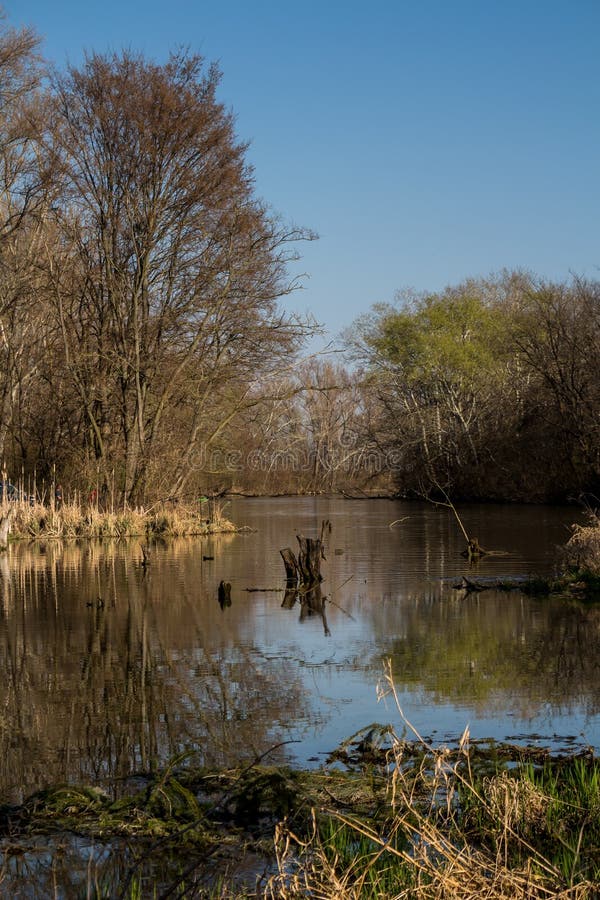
(582, 550)
(76, 519)
(445, 835)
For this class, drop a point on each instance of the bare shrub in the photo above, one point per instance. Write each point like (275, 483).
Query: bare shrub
(583, 547)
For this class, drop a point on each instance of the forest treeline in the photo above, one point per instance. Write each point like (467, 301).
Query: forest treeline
(487, 390)
(144, 348)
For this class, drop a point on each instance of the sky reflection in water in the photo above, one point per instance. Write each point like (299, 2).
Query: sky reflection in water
(95, 692)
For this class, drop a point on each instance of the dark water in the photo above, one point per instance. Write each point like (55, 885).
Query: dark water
(95, 689)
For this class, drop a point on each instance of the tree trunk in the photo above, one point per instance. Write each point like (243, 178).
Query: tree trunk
(5, 521)
(305, 569)
(291, 564)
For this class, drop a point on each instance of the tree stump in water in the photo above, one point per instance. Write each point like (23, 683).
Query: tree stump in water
(303, 573)
(305, 569)
(309, 560)
(5, 521)
(224, 594)
(291, 564)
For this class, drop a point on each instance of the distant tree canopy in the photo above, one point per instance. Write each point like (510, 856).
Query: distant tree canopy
(489, 389)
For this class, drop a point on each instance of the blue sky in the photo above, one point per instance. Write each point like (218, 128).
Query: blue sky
(424, 141)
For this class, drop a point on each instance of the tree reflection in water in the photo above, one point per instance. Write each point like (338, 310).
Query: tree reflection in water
(107, 670)
(501, 652)
(153, 665)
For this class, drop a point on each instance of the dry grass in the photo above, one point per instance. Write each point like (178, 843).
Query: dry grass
(582, 550)
(446, 835)
(75, 519)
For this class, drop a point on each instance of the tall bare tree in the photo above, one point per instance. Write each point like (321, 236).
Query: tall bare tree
(168, 270)
(25, 178)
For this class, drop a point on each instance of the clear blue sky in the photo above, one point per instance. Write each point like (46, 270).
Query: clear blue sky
(425, 141)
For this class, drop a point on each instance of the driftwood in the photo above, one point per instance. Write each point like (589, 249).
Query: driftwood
(473, 550)
(5, 523)
(493, 584)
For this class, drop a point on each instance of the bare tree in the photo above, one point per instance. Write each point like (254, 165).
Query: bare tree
(25, 179)
(167, 271)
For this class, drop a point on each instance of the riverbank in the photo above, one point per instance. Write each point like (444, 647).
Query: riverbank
(386, 817)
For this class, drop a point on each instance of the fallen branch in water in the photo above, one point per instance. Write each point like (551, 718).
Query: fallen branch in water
(471, 587)
(578, 585)
(398, 521)
(261, 590)
(473, 550)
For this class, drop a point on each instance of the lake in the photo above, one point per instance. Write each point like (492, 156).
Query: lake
(109, 668)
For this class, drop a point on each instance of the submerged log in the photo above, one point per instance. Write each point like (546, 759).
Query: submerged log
(496, 584)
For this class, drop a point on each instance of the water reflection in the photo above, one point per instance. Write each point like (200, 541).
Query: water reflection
(108, 669)
(109, 666)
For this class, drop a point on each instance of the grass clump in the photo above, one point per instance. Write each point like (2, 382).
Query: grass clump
(75, 519)
(452, 829)
(582, 551)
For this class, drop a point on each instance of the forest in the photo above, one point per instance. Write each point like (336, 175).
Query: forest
(145, 347)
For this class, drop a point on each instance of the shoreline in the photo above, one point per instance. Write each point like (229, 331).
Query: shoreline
(384, 809)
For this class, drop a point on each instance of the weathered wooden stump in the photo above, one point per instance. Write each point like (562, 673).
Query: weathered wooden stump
(224, 594)
(305, 569)
(5, 522)
(290, 597)
(303, 574)
(291, 564)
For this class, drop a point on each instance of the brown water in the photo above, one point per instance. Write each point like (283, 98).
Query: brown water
(108, 668)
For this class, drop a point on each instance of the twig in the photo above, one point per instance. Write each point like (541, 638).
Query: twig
(261, 590)
(398, 521)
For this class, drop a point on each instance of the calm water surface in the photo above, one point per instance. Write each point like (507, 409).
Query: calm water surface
(108, 669)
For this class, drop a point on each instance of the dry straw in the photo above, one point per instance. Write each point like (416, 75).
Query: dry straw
(426, 850)
(76, 519)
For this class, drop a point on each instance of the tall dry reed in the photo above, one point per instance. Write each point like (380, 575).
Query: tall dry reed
(445, 835)
(76, 519)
